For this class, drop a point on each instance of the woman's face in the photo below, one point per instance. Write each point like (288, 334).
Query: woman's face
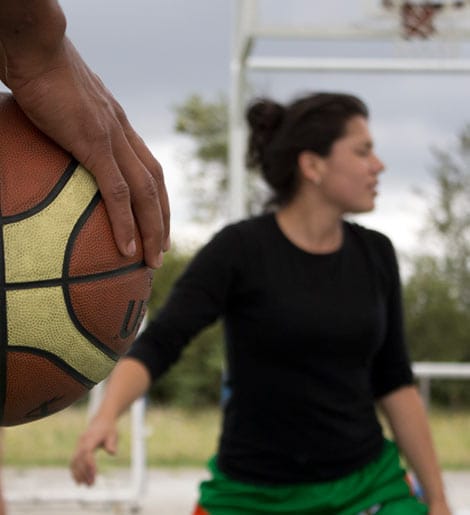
(351, 170)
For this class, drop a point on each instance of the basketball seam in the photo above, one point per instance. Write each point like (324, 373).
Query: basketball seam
(59, 281)
(50, 197)
(53, 358)
(65, 274)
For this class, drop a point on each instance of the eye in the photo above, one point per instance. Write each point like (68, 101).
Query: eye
(363, 152)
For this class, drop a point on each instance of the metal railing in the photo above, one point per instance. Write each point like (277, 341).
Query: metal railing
(426, 371)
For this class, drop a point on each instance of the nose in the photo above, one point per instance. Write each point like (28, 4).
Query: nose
(377, 165)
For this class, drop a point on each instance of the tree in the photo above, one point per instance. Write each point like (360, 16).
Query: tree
(449, 216)
(437, 292)
(437, 325)
(206, 124)
(195, 380)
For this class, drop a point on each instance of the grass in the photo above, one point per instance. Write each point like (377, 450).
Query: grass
(175, 438)
(451, 432)
(181, 438)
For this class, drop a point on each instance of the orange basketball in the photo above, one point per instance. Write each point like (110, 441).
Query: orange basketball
(70, 303)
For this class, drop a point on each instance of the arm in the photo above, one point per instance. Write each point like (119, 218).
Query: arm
(392, 385)
(407, 418)
(30, 33)
(68, 102)
(197, 299)
(128, 381)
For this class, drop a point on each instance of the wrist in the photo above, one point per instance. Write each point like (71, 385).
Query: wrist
(106, 415)
(31, 34)
(437, 500)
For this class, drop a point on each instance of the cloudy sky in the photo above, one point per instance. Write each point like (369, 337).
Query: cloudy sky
(153, 54)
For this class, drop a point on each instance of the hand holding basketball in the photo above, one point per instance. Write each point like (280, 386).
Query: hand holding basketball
(71, 304)
(68, 102)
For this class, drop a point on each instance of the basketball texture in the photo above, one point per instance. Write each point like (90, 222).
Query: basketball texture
(70, 303)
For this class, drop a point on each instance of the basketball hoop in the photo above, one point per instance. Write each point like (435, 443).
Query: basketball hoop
(417, 18)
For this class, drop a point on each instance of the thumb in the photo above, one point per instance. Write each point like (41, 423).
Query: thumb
(110, 443)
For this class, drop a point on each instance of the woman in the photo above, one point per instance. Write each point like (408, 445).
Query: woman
(314, 335)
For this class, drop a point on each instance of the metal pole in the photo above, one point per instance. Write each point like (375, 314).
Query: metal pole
(425, 390)
(138, 452)
(240, 48)
(338, 65)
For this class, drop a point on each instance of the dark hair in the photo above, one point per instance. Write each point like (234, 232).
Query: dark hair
(279, 133)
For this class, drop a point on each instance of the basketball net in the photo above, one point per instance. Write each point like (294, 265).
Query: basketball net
(420, 23)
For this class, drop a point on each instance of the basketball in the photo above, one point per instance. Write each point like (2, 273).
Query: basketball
(70, 303)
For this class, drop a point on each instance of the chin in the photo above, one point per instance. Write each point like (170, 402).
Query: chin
(357, 210)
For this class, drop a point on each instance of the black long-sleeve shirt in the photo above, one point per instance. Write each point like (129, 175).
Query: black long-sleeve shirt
(311, 341)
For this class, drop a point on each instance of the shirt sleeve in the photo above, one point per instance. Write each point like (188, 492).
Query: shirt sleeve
(197, 299)
(391, 368)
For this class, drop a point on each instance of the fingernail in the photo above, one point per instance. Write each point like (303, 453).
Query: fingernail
(131, 248)
(160, 260)
(167, 244)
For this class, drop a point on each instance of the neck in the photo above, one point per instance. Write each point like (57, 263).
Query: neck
(314, 230)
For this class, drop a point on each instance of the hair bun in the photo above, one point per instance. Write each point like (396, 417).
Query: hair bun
(264, 116)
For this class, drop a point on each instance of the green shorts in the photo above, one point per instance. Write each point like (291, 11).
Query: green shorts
(380, 487)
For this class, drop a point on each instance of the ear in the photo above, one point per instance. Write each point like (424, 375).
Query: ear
(311, 166)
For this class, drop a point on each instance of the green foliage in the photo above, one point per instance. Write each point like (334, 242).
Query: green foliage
(206, 124)
(437, 293)
(437, 326)
(175, 262)
(195, 380)
(449, 216)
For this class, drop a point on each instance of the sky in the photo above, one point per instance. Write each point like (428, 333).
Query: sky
(153, 54)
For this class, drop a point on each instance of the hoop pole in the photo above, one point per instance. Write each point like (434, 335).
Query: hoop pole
(138, 452)
(240, 49)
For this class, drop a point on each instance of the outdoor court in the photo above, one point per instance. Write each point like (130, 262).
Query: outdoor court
(50, 491)
(169, 492)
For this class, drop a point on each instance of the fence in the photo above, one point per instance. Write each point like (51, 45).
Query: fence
(425, 372)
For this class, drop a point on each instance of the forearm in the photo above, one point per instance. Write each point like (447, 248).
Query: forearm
(68, 102)
(407, 417)
(128, 381)
(31, 31)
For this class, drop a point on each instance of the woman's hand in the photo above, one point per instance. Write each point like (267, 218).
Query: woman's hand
(101, 433)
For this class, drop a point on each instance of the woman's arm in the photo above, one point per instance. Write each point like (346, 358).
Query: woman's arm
(197, 299)
(406, 415)
(128, 381)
